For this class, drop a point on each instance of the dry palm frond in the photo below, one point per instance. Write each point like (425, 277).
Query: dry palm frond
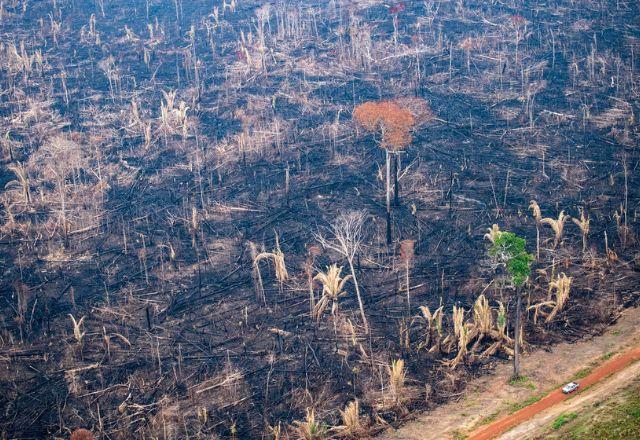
(537, 309)
(203, 414)
(557, 297)
(276, 431)
(278, 261)
(332, 288)
(77, 328)
(351, 424)
(557, 226)
(463, 340)
(458, 321)
(494, 232)
(460, 332)
(310, 429)
(22, 181)
(397, 376)
(434, 320)
(583, 224)
(535, 208)
(561, 287)
(257, 276)
(482, 318)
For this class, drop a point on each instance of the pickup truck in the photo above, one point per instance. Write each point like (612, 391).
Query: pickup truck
(570, 387)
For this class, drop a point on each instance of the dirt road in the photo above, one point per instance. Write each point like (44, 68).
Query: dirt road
(491, 396)
(582, 404)
(609, 367)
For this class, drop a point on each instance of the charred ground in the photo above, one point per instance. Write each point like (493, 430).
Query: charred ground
(152, 149)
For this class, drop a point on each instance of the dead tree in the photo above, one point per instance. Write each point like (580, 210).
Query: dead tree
(346, 241)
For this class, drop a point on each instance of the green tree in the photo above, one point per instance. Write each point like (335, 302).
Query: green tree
(509, 251)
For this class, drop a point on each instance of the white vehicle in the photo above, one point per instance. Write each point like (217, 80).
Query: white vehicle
(570, 387)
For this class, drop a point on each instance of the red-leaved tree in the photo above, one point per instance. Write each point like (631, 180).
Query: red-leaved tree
(394, 124)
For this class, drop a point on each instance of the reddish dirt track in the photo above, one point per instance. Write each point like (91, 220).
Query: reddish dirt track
(611, 366)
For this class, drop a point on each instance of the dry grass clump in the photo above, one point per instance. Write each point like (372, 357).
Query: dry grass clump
(310, 428)
(351, 421)
(460, 332)
(397, 377)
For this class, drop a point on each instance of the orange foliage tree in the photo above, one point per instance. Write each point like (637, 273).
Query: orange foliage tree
(394, 124)
(81, 434)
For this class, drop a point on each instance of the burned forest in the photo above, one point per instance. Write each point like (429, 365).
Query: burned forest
(290, 219)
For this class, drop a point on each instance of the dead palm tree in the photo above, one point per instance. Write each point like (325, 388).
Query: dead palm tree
(332, 289)
(347, 240)
(277, 256)
(557, 296)
(537, 215)
(434, 326)
(557, 226)
(583, 224)
(493, 233)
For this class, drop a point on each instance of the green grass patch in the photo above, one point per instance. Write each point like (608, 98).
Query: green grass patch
(490, 418)
(607, 356)
(522, 382)
(582, 374)
(563, 419)
(517, 406)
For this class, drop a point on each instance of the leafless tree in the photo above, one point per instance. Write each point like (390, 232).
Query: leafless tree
(346, 240)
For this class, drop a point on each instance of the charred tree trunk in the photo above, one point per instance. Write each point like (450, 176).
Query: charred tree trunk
(396, 185)
(388, 180)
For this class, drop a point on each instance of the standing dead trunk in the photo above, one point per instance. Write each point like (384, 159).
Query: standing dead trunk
(388, 190)
(360, 304)
(396, 184)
